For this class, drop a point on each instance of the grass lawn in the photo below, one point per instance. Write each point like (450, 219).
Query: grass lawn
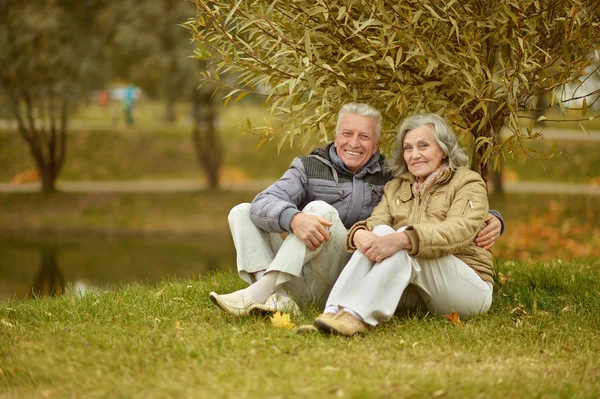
(573, 162)
(540, 339)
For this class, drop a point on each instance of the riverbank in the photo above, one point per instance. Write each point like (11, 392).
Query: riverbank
(168, 340)
(539, 226)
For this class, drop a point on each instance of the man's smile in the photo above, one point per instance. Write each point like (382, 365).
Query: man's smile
(355, 153)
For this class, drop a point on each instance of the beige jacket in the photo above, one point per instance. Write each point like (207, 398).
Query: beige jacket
(443, 221)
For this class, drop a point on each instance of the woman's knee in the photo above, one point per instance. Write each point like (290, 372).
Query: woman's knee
(382, 230)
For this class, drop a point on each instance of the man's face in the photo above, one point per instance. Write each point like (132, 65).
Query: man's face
(356, 141)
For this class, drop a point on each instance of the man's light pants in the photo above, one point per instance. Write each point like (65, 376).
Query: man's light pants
(376, 290)
(306, 275)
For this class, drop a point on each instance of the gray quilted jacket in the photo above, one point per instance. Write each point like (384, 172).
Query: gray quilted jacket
(319, 176)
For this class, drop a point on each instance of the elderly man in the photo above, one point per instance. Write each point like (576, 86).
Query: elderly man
(316, 201)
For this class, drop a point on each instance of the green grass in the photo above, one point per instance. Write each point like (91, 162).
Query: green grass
(170, 341)
(572, 162)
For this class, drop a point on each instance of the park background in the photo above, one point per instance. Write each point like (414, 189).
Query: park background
(120, 258)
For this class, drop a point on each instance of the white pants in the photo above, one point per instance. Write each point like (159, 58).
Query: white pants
(306, 275)
(376, 290)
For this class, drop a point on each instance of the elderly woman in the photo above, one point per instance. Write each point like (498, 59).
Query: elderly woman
(417, 247)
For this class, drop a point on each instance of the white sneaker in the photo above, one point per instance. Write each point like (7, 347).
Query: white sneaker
(238, 303)
(276, 303)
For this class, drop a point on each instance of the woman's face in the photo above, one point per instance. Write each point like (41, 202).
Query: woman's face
(422, 153)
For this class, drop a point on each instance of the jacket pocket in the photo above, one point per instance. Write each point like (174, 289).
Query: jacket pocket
(327, 193)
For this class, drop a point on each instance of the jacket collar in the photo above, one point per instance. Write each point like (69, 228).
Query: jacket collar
(443, 180)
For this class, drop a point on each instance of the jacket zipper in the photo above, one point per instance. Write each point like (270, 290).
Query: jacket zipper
(468, 204)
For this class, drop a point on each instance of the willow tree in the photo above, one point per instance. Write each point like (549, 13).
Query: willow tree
(479, 63)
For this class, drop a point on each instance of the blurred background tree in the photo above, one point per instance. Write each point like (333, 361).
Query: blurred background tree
(52, 57)
(481, 64)
(151, 49)
(57, 54)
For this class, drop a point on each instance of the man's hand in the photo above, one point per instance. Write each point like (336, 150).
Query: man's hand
(488, 235)
(386, 246)
(310, 229)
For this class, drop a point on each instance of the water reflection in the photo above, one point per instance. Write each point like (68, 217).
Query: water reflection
(49, 280)
(34, 267)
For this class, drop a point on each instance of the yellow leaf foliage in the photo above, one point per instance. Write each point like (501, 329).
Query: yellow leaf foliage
(481, 67)
(282, 320)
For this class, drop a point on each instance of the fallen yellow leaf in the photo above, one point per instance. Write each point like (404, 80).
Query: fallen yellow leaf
(282, 320)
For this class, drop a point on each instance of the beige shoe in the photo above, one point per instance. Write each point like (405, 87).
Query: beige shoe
(276, 303)
(238, 303)
(343, 323)
(322, 321)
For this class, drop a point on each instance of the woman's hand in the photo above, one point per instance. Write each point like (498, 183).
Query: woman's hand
(383, 247)
(363, 240)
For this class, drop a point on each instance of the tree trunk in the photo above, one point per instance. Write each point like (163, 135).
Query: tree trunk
(480, 162)
(46, 137)
(497, 183)
(170, 116)
(205, 138)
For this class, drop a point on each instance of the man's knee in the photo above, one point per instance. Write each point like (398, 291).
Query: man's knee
(241, 211)
(321, 209)
(382, 230)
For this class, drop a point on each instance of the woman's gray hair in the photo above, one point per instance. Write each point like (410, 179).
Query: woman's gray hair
(442, 133)
(363, 110)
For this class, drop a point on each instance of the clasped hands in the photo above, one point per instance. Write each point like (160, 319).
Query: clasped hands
(379, 248)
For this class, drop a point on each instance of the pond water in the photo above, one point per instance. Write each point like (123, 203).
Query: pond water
(32, 267)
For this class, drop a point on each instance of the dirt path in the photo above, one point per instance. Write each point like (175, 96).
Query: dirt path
(195, 185)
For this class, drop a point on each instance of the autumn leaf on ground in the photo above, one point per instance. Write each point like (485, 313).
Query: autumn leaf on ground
(519, 311)
(454, 318)
(282, 320)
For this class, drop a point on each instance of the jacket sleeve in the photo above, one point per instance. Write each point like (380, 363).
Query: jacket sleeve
(381, 215)
(499, 216)
(463, 221)
(273, 209)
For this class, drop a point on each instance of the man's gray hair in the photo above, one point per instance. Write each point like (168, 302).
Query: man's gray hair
(363, 110)
(442, 133)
